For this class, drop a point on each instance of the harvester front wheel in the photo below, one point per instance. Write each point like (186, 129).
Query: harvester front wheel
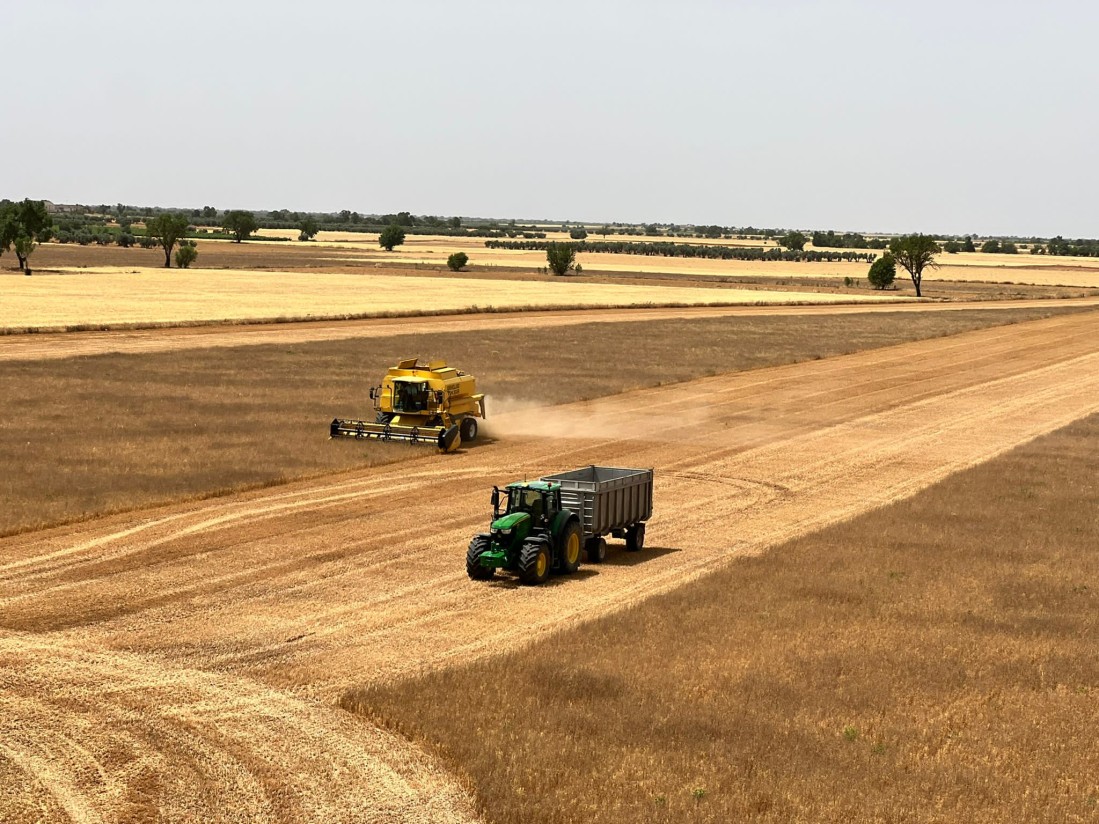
(468, 429)
(478, 547)
(635, 538)
(534, 562)
(383, 418)
(570, 548)
(597, 550)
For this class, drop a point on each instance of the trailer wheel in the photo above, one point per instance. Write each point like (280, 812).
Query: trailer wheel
(468, 429)
(534, 562)
(571, 539)
(597, 550)
(635, 538)
(478, 547)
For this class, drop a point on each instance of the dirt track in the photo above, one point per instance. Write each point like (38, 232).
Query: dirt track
(70, 344)
(181, 657)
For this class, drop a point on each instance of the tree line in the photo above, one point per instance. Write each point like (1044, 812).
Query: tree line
(692, 250)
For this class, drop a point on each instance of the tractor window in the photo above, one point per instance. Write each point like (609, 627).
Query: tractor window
(527, 500)
(409, 397)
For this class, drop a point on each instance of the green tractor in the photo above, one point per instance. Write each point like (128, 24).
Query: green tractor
(531, 534)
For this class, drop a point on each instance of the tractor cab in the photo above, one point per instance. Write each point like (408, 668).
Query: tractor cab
(541, 501)
(411, 396)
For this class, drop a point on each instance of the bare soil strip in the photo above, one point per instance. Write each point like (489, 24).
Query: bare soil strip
(315, 587)
(51, 345)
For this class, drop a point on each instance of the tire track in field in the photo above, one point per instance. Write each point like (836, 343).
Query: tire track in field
(111, 735)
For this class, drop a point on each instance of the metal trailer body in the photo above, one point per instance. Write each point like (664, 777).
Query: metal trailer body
(609, 501)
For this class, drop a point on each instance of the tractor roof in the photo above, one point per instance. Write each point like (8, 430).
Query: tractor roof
(541, 486)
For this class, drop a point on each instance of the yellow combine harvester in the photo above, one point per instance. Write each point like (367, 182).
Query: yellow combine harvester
(428, 404)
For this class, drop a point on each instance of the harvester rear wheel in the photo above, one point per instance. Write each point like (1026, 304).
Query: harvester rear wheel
(478, 547)
(597, 550)
(468, 429)
(534, 562)
(635, 537)
(570, 548)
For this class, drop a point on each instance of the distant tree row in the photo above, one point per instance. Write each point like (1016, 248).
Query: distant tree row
(691, 250)
(848, 240)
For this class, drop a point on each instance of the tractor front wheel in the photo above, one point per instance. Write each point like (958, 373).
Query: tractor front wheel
(597, 550)
(570, 548)
(478, 547)
(534, 562)
(635, 538)
(468, 430)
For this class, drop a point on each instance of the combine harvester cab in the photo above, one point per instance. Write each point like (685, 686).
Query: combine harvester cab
(540, 526)
(431, 404)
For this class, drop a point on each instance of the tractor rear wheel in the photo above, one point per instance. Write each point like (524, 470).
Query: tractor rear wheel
(478, 547)
(597, 550)
(534, 562)
(570, 548)
(635, 537)
(468, 430)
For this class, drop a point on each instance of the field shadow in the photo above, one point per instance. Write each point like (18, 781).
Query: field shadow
(618, 556)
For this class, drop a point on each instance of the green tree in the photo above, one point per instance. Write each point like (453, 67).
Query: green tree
(392, 235)
(990, 246)
(309, 229)
(186, 254)
(952, 247)
(1009, 248)
(579, 233)
(27, 219)
(240, 224)
(967, 244)
(883, 272)
(166, 229)
(560, 257)
(915, 253)
(456, 261)
(794, 241)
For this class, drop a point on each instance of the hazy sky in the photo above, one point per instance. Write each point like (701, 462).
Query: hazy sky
(945, 117)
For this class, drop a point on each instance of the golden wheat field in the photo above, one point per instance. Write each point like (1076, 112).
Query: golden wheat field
(118, 295)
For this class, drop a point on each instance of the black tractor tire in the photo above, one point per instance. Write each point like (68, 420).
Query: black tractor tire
(383, 418)
(535, 560)
(468, 429)
(570, 544)
(478, 547)
(597, 550)
(635, 538)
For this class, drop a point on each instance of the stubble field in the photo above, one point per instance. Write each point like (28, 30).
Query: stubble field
(187, 660)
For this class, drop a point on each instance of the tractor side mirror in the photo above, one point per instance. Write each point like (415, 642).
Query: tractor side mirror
(495, 497)
(439, 398)
(372, 393)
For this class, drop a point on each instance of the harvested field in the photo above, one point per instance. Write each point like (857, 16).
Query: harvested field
(314, 587)
(931, 661)
(192, 423)
(51, 346)
(150, 296)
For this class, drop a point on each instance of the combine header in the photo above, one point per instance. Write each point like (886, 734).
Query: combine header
(431, 404)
